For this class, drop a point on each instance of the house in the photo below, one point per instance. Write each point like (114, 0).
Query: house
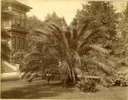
(13, 19)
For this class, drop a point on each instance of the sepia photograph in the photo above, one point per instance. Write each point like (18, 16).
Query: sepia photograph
(64, 49)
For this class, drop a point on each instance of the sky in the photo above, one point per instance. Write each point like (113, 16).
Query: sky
(63, 8)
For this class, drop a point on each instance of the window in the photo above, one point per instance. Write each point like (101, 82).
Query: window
(17, 19)
(22, 43)
(18, 43)
(20, 19)
(23, 16)
(13, 21)
(14, 46)
(6, 22)
(14, 42)
(22, 23)
(18, 22)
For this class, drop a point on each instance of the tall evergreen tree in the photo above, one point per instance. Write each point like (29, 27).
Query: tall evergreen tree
(103, 12)
(54, 18)
(121, 44)
(33, 23)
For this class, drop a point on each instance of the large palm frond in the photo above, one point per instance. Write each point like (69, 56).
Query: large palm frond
(95, 47)
(101, 64)
(70, 44)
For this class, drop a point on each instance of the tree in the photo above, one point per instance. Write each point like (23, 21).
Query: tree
(33, 23)
(103, 12)
(74, 46)
(55, 19)
(126, 13)
(121, 44)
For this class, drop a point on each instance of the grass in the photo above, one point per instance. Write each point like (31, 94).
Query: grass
(39, 89)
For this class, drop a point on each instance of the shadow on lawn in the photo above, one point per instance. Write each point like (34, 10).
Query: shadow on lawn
(35, 91)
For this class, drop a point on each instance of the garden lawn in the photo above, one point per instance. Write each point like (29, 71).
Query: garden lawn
(38, 89)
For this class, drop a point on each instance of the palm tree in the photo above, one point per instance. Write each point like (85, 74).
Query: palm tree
(76, 47)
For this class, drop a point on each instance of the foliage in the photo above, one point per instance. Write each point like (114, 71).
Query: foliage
(87, 85)
(70, 44)
(82, 44)
(54, 19)
(5, 50)
(120, 44)
(107, 19)
(100, 10)
(34, 23)
(104, 12)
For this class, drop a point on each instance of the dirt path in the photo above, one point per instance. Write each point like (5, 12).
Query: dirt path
(39, 89)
